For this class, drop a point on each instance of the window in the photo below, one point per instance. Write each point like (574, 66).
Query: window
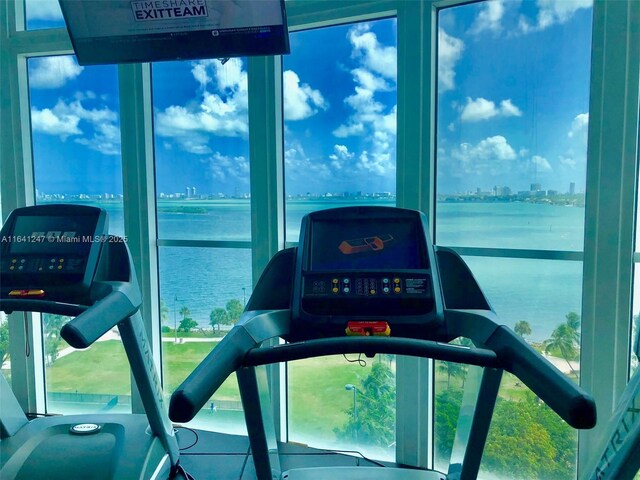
(340, 150)
(204, 218)
(5, 365)
(43, 14)
(76, 156)
(635, 314)
(513, 96)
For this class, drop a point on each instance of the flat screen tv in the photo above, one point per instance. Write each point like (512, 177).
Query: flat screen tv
(130, 31)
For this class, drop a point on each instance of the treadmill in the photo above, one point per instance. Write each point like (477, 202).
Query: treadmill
(59, 259)
(368, 280)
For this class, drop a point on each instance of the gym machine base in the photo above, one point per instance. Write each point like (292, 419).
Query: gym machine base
(59, 259)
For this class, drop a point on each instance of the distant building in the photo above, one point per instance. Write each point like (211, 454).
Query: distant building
(572, 188)
(499, 191)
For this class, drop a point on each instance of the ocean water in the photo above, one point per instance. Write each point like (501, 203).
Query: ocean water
(540, 292)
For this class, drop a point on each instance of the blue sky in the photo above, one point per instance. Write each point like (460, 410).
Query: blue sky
(513, 81)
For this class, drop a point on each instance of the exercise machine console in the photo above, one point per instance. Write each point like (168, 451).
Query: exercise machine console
(59, 259)
(368, 280)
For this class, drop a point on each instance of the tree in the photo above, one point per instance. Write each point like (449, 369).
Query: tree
(522, 328)
(527, 439)
(374, 419)
(565, 339)
(187, 324)
(185, 312)
(4, 342)
(164, 312)
(217, 317)
(452, 369)
(234, 310)
(226, 316)
(52, 340)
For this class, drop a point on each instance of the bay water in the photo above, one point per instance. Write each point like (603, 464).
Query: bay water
(540, 292)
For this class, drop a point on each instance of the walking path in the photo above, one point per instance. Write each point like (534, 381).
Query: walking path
(560, 363)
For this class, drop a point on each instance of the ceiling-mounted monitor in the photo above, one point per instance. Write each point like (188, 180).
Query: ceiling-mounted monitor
(130, 31)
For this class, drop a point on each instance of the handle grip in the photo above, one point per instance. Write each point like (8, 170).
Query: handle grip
(221, 362)
(574, 405)
(96, 320)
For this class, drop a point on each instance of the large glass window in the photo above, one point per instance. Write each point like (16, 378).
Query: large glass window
(5, 359)
(204, 218)
(76, 157)
(340, 150)
(43, 14)
(513, 97)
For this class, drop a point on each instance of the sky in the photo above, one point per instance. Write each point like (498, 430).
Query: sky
(512, 108)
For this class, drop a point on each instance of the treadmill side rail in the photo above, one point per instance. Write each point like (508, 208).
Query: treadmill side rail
(12, 418)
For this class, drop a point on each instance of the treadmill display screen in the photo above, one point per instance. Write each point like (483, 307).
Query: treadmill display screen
(389, 244)
(51, 235)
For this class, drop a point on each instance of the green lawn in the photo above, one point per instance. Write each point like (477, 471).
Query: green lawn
(318, 399)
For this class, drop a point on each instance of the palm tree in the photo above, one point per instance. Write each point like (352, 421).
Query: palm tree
(185, 312)
(164, 313)
(522, 328)
(566, 339)
(452, 369)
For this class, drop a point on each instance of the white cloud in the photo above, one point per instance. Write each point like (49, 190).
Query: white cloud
(340, 157)
(221, 113)
(489, 18)
(312, 173)
(449, 52)
(43, 10)
(224, 168)
(300, 101)
(199, 72)
(568, 161)
(369, 81)
(579, 126)
(371, 119)
(552, 12)
(53, 72)
(375, 56)
(492, 156)
(63, 120)
(508, 109)
(46, 121)
(491, 150)
(541, 164)
(483, 109)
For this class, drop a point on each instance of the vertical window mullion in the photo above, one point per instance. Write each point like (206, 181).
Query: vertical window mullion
(139, 191)
(415, 189)
(267, 192)
(611, 182)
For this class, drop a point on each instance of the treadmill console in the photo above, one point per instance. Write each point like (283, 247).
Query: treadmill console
(365, 271)
(51, 252)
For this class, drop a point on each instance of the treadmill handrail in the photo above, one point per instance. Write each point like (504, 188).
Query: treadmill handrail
(501, 349)
(94, 322)
(566, 398)
(369, 346)
(225, 358)
(10, 305)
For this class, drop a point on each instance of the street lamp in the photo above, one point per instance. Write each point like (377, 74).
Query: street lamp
(349, 386)
(175, 321)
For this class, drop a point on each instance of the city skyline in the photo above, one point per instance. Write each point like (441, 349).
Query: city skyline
(191, 193)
